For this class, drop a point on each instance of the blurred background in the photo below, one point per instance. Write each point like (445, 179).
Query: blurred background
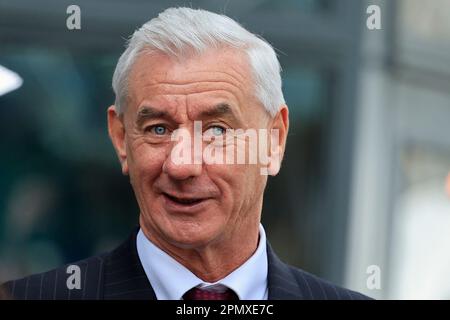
(363, 181)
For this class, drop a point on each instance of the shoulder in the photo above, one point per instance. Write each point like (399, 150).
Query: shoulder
(78, 280)
(287, 282)
(318, 288)
(117, 274)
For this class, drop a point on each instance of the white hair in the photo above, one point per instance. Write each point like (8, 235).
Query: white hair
(177, 31)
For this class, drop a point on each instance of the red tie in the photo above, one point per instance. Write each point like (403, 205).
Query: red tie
(202, 294)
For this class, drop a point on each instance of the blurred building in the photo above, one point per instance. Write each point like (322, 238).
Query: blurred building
(400, 212)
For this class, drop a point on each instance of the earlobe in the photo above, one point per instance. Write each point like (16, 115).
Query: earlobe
(125, 168)
(116, 130)
(274, 165)
(274, 153)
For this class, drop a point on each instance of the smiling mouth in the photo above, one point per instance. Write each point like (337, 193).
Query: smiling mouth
(184, 201)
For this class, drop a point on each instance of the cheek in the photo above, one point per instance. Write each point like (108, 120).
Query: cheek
(249, 185)
(145, 162)
(236, 182)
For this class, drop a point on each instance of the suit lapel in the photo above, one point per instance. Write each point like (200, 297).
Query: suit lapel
(282, 284)
(125, 277)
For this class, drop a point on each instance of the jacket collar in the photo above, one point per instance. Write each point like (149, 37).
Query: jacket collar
(125, 277)
(282, 283)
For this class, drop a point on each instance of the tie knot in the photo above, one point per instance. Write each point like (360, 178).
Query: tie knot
(203, 294)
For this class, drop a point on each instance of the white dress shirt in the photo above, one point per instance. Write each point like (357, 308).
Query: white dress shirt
(170, 279)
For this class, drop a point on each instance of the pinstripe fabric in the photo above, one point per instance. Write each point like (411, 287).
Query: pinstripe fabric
(52, 285)
(119, 275)
(125, 277)
(289, 283)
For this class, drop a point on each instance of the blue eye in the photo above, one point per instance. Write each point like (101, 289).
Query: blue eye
(158, 130)
(217, 131)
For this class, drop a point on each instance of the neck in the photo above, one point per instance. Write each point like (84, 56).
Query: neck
(216, 260)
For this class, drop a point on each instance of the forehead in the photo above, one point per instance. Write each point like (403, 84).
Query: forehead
(216, 72)
(161, 67)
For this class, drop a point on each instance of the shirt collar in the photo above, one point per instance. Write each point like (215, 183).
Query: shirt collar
(170, 279)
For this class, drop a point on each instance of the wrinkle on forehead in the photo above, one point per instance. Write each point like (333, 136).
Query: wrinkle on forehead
(215, 71)
(229, 66)
(181, 108)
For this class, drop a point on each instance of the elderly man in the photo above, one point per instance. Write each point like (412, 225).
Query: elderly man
(191, 87)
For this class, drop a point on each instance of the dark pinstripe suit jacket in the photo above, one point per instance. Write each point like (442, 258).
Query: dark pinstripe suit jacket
(119, 275)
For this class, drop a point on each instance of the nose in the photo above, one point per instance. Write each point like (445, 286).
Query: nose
(184, 160)
(181, 171)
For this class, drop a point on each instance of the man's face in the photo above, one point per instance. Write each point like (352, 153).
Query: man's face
(192, 204)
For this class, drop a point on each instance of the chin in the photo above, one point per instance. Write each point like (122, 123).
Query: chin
(190, 235)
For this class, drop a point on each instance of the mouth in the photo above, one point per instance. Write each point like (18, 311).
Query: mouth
(183, 203)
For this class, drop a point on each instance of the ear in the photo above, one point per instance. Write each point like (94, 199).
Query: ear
(278, 136)
(116, 130)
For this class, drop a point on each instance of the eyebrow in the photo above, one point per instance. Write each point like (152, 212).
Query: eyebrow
(147, 113)
(221, 109)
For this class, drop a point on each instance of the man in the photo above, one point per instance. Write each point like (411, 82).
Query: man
(193, 86)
